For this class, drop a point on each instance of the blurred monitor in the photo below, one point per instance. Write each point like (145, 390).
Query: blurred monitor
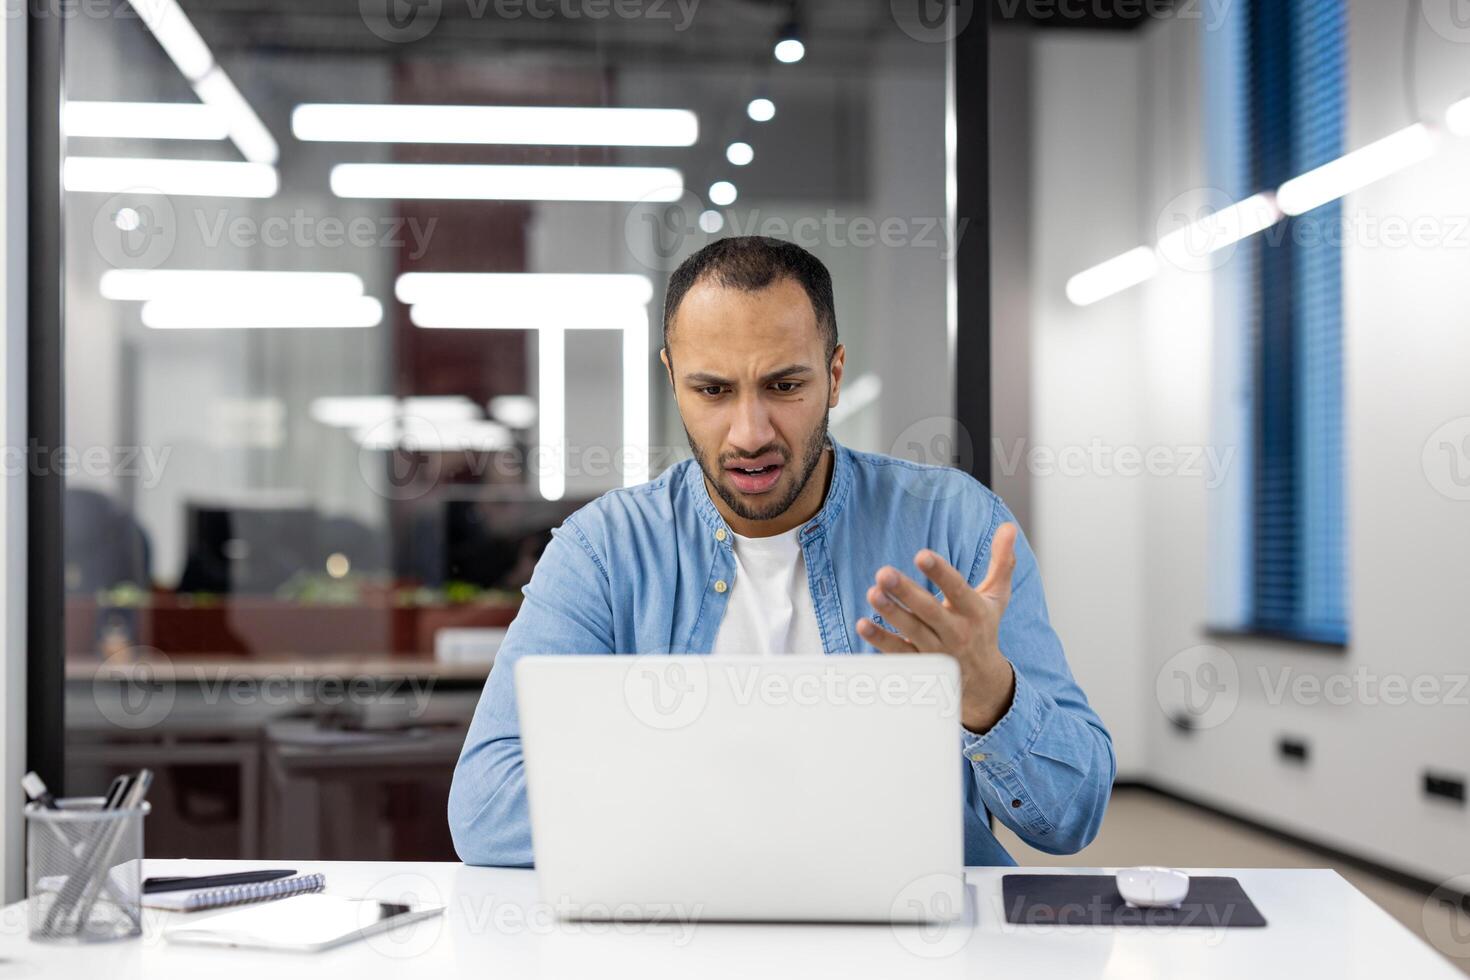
(490, 540)
(245, 549)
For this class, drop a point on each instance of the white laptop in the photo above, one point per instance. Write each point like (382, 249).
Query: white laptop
(745, 788)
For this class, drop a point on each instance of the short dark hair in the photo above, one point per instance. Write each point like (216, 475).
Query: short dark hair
(752, 262)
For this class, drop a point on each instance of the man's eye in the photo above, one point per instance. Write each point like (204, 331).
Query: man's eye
(711, 390)
(787, 387)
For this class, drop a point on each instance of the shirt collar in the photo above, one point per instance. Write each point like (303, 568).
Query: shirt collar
(832, 506)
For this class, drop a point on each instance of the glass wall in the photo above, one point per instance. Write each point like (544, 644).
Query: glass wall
(363, 299)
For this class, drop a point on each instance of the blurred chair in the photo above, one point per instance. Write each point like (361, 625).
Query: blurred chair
(337, 794)
(104, 545)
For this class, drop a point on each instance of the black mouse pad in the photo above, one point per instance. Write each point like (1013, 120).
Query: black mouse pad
(1093, 900)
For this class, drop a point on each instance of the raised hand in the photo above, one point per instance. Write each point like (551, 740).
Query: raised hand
(966, 625)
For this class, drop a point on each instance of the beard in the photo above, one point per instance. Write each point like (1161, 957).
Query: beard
(811, 455)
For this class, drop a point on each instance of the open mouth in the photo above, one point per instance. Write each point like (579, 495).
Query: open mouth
(751, 478)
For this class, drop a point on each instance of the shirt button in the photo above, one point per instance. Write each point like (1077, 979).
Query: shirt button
(978, 757)
(1015, 803)
(720, 534)
(720, 586)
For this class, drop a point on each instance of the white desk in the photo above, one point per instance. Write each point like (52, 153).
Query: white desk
(497, 929)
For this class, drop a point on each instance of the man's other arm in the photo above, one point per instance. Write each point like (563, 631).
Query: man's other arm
(567, 609)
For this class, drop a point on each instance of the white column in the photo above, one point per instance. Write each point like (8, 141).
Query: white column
(12, 438)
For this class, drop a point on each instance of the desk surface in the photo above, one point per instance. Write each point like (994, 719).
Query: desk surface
(276, 668)
(496, 927)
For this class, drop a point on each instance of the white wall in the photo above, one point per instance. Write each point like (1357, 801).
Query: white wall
(1118, 137)
(12, 434)
(1087, 371)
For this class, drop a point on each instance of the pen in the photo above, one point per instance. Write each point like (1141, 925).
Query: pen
(154, 885)
(117, 791)
(35, 788)
(98, 858)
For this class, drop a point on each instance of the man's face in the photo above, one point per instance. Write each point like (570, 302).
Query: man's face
(753, 387)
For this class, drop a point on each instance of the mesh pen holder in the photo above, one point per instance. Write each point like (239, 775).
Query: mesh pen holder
(84, 871)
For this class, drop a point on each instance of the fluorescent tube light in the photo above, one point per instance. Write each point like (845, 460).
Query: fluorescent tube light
(417, 434)
(499, 182)
(366, 411)
(1355, 170)
(245, 128)
(550, 304)
(518, 125)
(143, 120)
(527, 292)
(1113, 276)
(180, 41)
(1220, 229)
(204, 284)
(190, 313)
(183, 178)
(462, 315)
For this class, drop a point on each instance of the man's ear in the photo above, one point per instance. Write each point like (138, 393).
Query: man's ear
(663, 355)
(839, 356)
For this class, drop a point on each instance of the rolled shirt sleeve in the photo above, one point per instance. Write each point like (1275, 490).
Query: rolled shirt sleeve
(1046, 768)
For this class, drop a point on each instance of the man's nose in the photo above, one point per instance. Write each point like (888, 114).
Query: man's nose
(751, 429)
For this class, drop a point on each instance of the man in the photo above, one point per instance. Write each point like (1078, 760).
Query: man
(773, 539)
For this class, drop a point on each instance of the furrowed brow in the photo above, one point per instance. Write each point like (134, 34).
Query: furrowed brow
(704, 378)
(789, 371)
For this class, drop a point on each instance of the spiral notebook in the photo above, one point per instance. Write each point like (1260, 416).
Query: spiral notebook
(218, 898)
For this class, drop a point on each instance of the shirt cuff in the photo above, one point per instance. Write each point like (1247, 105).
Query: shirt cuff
(1012, 736)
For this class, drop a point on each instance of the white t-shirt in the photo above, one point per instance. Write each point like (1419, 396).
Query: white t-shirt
(769, 609)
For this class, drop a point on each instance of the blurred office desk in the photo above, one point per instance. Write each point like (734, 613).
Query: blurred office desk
(236, 741)
(497, 926)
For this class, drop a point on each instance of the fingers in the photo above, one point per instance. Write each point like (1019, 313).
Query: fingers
(919, 633)
(917, 602)
(956, 587)
(997, 582)
(882, 639)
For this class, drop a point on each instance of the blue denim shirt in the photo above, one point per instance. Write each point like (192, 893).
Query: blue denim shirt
(635, 571)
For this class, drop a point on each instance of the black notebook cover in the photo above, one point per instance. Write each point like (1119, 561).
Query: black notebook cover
(1093, 900)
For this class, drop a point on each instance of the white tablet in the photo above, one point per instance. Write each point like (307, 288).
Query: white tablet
(300, 924)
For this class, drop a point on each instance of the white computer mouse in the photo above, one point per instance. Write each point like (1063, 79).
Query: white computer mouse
(1153, 888)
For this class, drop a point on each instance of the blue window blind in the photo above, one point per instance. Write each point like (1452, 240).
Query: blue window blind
(1295, 90)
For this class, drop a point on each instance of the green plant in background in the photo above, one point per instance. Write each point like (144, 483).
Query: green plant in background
(460, 593)
(455, 593)
(124, 595)
(319, 590)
